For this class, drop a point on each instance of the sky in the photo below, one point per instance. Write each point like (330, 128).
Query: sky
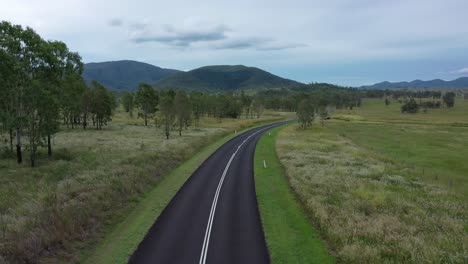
(346, 42)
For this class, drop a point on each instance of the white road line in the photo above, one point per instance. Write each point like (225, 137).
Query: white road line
(206, 240)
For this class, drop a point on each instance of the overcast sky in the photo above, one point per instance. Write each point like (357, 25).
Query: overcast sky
(348, 42)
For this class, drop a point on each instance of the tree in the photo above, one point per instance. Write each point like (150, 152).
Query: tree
(7, 106)
(147, 99)
(246, 103)
(257, 106)
(410, 107)
(306, 113)
(167, 111)
(128, 102)
(387, 102)
(101, 105)
(21, 45)
(449, 99)
(182, 109)
(72, 92)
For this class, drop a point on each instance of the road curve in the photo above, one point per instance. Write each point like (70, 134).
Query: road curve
(214, 217)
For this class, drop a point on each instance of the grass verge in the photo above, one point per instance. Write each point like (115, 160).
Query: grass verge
(290, 236)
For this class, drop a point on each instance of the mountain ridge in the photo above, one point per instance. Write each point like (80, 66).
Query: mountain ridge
(461, 82)
(124, 74)
(215, 78)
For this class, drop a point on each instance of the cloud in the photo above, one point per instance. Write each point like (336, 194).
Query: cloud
(261, 44)
(115, 22)
(184, 36)
(463, 71)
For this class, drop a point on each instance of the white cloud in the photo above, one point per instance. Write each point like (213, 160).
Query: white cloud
(463, 71)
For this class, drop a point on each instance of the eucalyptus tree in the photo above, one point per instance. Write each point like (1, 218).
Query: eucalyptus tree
(182, 110)
(167, 111)
(257, 106)
(128, 102)
(23, 47)
(306, 113)
(7, 106)
(147, 99)
(101, 105)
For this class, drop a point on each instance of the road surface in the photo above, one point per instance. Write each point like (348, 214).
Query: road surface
(214, 217)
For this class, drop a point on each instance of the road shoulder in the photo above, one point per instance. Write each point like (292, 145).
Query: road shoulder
(290, 236)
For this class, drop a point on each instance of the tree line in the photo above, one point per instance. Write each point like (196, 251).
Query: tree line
(41, 87)
(177, 109)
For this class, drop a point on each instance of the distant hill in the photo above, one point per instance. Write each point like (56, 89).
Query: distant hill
(418, 84)
(224, 78)
(125, 74)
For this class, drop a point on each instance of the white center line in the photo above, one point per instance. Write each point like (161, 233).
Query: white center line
(206, 241)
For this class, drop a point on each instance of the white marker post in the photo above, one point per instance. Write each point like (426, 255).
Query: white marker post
(264, 164)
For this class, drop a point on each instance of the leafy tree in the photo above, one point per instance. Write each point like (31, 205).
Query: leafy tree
(71, 100)
(246, 103)
(198, 104)
(21, 46)
(167, 111)
(306, 113)
(128, 102)
(182, 109)
(449, 99)
(147, 99)
(101, 105)
(257, 106)
(410, 107)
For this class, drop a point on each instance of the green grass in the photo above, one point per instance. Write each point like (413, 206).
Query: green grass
(370, 207)
(436, 154)
(289, 234)
(375, 110)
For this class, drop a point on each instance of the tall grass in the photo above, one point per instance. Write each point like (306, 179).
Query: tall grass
(370, 208)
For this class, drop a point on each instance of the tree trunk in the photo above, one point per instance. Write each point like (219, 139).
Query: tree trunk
(49, 146)
(19, 156)
(85, 120)
(146, 119)
(11, 140)
(33, 156)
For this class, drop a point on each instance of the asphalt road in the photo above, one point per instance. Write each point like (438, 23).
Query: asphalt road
(214, 217)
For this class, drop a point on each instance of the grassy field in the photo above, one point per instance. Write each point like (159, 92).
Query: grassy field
(434, 154)
(289, 235)
(375, 110)
(50, 213)
(372, 209)
(384, 187)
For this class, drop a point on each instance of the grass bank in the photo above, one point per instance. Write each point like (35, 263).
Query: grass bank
(370, 207)
(289, 234)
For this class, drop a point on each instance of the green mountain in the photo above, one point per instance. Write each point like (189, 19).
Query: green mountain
(125, 74)
(224, 78)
